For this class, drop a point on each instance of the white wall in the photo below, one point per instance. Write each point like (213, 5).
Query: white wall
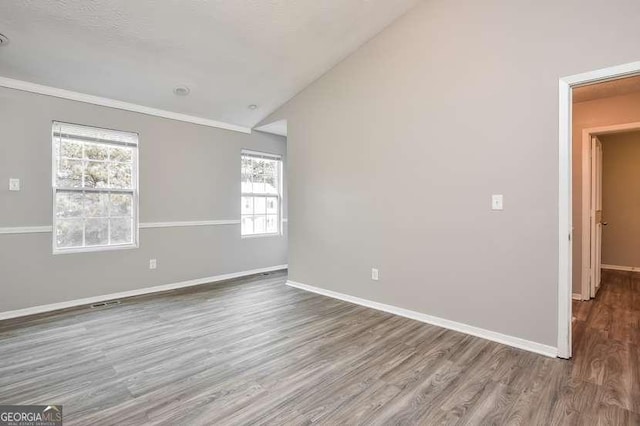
(394, 154)
(187, 173)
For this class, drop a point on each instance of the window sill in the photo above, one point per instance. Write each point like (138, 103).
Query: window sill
(94, 249)
(275, 234)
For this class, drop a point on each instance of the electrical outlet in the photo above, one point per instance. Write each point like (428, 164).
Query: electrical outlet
(153, 264)
(374, 274)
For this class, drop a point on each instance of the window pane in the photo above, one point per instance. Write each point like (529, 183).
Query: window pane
(69, 174)
(245, 174)
(259, 205)
(257, 176)
(270, 167)
(260, 212)
(94, 151)
(270, 184)
(96, 232)
(246, 183)
(120, 175)
(271, 176)
(247, 205)
(69, 204)
(71, 149)
(247, 225)
(257, 167)
(95, 175)
(69, 233)
(121, 205)
(85, 160)
(96, 205)
(259, 224)
(272, 224)
(272, 205)
(258, 184)
(121, 231)
(123, 154)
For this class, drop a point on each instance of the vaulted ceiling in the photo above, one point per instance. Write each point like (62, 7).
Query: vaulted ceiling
(229, 53)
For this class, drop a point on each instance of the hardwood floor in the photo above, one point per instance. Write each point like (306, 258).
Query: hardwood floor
(606, 341)
(254, 351)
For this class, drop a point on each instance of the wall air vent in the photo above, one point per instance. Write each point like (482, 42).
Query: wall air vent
(105, 304)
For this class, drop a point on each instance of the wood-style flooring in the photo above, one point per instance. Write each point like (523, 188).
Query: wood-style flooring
(254, 351)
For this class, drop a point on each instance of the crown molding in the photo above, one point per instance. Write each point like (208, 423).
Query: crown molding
(27, 86)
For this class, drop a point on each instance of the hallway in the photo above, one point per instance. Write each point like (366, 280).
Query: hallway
(606, 342)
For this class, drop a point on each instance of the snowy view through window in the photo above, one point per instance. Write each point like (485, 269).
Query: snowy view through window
(94, 187)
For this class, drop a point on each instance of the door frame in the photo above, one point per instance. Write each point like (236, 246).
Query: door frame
(587, 190)
(565, 261)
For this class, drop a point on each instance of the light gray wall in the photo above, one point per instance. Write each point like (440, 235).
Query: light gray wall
(187, 173)
(394, 154)
(621, 199)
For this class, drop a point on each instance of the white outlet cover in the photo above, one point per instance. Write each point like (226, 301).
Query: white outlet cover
(374, 274)
(14, 184)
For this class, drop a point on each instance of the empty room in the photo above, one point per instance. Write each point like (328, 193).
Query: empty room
(337, 212)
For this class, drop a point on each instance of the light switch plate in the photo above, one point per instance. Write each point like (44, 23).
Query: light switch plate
(497, 202)
(374, 274)
(14, 184)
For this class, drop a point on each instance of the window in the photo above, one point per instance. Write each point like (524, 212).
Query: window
(95, 188)
(261, 174)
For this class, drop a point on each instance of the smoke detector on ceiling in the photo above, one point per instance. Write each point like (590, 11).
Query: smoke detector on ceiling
(181, 90)
(253, 107)
(4, 40)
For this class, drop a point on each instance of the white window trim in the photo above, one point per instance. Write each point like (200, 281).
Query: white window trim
(269, 156)
(136, 219)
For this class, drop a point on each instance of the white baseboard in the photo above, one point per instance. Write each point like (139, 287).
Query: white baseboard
(621, 268)
(516, 342)
(148, 290)
(576, 296)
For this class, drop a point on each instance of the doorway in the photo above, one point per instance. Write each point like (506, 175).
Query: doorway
(579, 261)
(593, 217)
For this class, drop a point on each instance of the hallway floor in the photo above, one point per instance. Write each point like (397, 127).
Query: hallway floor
(606, 343)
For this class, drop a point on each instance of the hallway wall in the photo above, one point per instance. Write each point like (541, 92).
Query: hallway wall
(596, 113)
(621, 199)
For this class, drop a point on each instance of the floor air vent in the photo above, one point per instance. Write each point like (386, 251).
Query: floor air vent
(104, 304)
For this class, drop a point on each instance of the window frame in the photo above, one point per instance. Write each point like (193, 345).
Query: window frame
(135, 226)
(268, 156)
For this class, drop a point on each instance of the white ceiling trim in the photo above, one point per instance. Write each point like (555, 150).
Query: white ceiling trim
(276, 128)
(112, 103)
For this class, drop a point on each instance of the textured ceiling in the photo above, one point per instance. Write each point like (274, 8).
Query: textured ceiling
(607, 89)
(231, 53)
